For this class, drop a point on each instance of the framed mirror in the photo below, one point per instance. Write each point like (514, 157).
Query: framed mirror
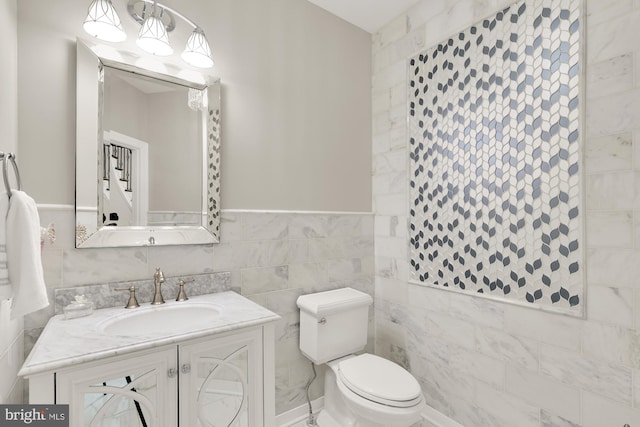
(147, 156)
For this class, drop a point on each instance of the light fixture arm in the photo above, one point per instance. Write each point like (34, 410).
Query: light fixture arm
(172, 12)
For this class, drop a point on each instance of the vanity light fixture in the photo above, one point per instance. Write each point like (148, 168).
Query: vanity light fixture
(157, 21)
(197, 52)
(153, 37)
(103, 22)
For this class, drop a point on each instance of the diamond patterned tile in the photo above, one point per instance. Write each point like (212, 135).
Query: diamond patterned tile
(495, 155)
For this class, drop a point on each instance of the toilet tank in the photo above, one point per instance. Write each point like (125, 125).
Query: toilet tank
(333, 324)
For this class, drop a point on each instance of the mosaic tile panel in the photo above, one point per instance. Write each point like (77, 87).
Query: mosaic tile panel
(213, 172)
(494, 124)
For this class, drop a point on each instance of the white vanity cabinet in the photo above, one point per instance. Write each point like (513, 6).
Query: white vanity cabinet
(217, 381)
(221, 377)
(134, 390)
(221, 381)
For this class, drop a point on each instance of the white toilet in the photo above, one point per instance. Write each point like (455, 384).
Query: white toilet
(360, 390)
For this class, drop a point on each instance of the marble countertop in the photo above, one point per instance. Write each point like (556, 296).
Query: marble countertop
(69, 342)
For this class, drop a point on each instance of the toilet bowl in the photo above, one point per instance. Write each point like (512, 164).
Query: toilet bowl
(378, 392)
(360, 390)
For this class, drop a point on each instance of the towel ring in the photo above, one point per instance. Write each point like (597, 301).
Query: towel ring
(5, 166)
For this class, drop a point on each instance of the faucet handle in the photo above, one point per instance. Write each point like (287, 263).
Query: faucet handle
(159, 275)
(182, 296)
(133, 301)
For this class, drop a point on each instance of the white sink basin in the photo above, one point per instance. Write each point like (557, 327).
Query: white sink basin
(167, 319)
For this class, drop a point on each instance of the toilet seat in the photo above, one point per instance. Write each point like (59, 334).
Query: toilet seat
(380, 380)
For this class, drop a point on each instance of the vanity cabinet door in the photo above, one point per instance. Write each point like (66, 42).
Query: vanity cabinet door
(125, 391)
(221, 381)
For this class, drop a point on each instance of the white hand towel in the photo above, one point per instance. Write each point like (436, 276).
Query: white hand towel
(23, 256)
(5, 286)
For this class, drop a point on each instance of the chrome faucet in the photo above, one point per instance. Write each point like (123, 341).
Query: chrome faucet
(158, 280)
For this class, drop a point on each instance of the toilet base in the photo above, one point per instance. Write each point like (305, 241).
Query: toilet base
(335, 412)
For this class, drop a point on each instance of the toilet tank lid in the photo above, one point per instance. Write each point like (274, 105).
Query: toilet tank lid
(323, 303)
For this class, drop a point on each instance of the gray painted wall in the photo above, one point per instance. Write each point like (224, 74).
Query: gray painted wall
(296, 136)
(11, 336)
(295, 116)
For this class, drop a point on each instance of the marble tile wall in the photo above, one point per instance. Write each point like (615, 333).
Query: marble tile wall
(485, 363)
(11, 355)
(103, 295)
(271, 257)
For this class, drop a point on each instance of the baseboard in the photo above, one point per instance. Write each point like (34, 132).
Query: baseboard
(55, 207)
(438, 419)
(295, 415)
(298, 414)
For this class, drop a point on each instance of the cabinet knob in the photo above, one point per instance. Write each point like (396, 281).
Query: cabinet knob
(186, 368)
(172, 372)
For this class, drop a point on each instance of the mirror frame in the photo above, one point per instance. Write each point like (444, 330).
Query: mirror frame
(89, 138)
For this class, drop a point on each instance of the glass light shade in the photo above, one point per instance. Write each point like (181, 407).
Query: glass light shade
(197, 52)
(153, 37)
(103, 22)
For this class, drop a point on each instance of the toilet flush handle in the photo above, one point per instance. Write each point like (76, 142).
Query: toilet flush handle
(322, 321)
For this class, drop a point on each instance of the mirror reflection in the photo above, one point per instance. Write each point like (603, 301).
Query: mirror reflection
(149, 169)
(154, 155)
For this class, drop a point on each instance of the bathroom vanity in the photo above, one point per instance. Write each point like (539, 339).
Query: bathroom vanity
(205, 361)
